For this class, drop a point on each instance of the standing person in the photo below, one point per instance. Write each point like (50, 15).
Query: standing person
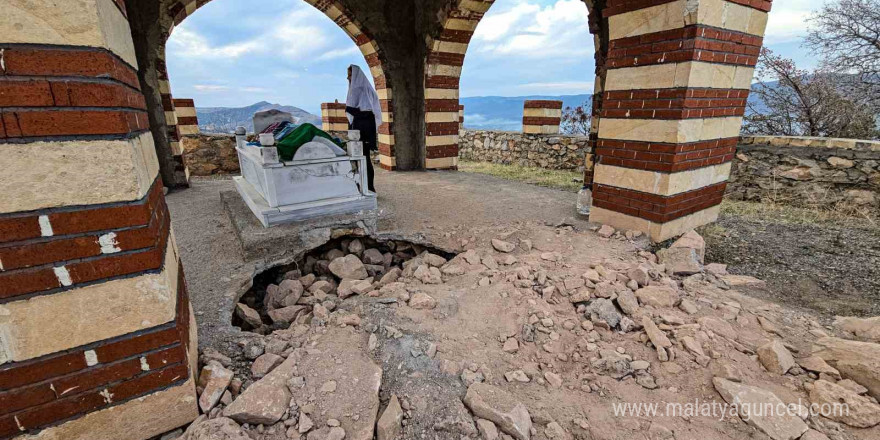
(364, 113)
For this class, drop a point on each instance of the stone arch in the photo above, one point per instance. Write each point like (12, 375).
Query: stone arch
(672, 80)
(174, 12)
(443, 66)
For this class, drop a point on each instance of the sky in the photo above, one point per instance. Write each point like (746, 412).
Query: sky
(233, 53)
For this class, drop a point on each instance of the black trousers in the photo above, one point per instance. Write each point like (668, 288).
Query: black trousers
(370, 173)
(365, 122)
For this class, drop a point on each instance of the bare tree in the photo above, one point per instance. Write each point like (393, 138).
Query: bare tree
(797, 102)
(576, 120)
(847, 34)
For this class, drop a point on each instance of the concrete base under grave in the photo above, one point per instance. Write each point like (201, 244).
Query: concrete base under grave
(297, 212)
(258, 242)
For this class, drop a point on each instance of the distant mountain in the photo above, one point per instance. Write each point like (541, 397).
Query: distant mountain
(225, 119)
(505, 113)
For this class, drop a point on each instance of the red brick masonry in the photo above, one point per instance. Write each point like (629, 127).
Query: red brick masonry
(656, 208)
(681, 103)
(691, 43)
(543, 104)
(48, 91)
(667, 158)
(49, 390)
(141, 231)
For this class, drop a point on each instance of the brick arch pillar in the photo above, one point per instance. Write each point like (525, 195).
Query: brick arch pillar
(173, 12)
(677, 76)
(97, 339)
(443, 66)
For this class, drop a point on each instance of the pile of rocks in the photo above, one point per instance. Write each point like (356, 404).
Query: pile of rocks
(515, 339)
(325, 277)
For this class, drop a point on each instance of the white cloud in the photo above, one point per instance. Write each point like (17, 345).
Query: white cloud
(190, 44)
(530, 31)
(333, 54)
(495, 26)
(787, 21)
(294, 35)
(210, 88)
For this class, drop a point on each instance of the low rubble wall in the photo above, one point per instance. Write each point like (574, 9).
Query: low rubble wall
(790, 170)
(805, 171)
(552, 151)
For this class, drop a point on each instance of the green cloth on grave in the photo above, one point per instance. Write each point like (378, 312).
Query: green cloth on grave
(288, 145)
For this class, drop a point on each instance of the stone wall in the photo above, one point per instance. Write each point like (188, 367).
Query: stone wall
(207, 154)
(558, 152)
(806, 171)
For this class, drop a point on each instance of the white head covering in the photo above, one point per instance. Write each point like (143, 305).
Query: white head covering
(362, 96)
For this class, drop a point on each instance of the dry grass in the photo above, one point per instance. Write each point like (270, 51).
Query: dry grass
(840, 214)
(559, 179)
(817, 212)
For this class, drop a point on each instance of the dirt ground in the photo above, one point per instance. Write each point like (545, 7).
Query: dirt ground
(834, 270)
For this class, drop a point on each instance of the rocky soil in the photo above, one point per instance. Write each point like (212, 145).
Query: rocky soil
(534, 332)
(832, 270)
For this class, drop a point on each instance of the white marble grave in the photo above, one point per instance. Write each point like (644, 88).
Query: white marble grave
(321, 180)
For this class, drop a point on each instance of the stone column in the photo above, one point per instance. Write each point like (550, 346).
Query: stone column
(187, 120)
(333, 117)
(97, 340)
(678, 76)
(442, 74)
(542, 117)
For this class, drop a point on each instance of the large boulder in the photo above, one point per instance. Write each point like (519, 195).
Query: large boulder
(603, 309)
(266, 400)
(775, 357)
(286, 315)
(658, 296)
(214, 379)
(748, 398)
(388, 426)
(502, 246)
(344, 386)
(290, 291)
(494, 404)
(846, 406)
(691, 240)
(348, 267)
(858, 361)
(248, 315)
(680, 261)
(862, 328)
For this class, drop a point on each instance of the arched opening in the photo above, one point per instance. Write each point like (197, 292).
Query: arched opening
(447, 55)
(670, 89)
(154, 24)
(526, 51)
